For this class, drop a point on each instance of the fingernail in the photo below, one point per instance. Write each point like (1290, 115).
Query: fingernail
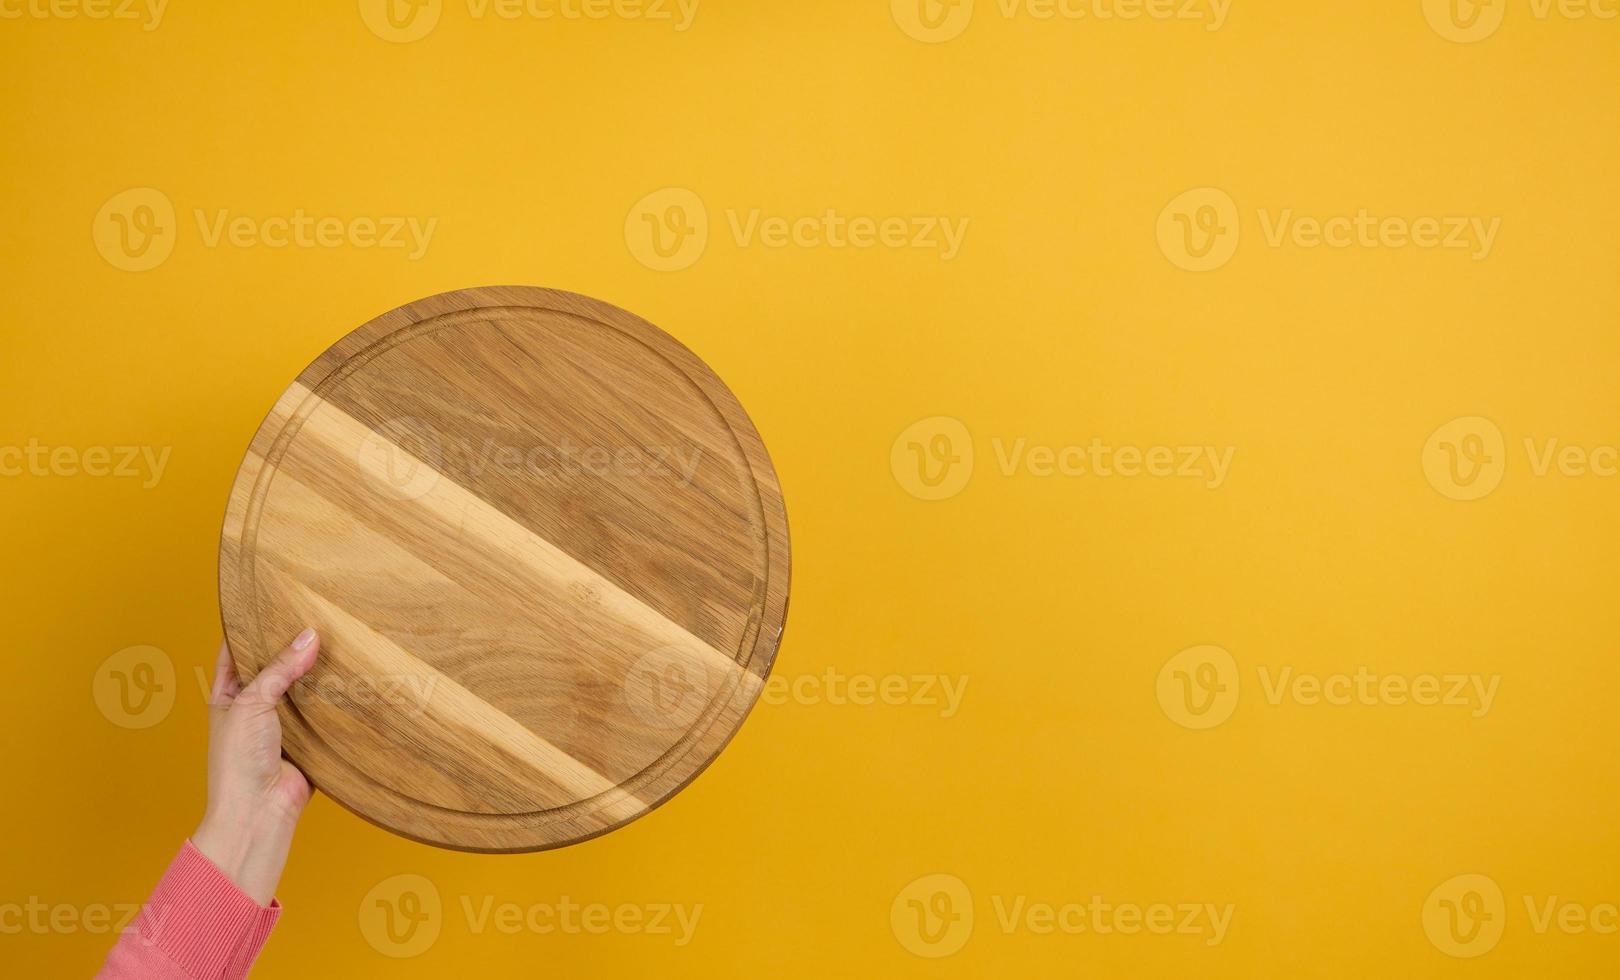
(304, 639)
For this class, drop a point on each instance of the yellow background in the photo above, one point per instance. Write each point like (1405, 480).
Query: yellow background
(1059, 598)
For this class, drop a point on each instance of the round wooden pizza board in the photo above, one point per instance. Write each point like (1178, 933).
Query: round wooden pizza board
(545, 550)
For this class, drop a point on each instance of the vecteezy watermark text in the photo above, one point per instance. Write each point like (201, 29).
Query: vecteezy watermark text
(936, 21)
(402, 916)
(668, 230)
(1199, 688)
(405, 458)
(1097, 458)
(403, 21)
(148, 12)
(934, 916)
(836, 688)
(137, 687)
(1469, 21)
(1200, 230)
(38, 917)
(1467, 458)
(934, 458)
(137, 230)
(303, 230)
(36, 459)
(1466, 915)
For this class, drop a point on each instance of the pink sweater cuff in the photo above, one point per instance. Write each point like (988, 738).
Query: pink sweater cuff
(198, 918)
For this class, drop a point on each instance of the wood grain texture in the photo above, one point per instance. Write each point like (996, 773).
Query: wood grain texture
(547, 554)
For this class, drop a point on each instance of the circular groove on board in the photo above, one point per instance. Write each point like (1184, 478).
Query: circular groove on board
(547, 553)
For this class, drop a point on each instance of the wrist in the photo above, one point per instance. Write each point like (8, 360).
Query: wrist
(249, 847)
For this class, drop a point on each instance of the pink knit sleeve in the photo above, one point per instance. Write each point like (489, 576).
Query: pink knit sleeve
(196, 926)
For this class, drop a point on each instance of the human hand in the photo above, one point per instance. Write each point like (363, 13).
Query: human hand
(254, 795)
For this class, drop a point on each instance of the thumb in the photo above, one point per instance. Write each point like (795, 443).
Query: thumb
(278, 675)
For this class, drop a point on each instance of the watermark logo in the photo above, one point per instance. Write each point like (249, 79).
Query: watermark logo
(136, 229)
(1098, 459)
(668, 688)
(402, 458)
(676, 921)
(1470, 21)
(401, 21)
(668, 229)
(677, 13)
(1465, 458)
(1465, 21)
(146, 464)
(933, 458)
(404, 693)
(833, 687)
(402, 916)
(41, 918)
(935, 21)
(135, 687)
(303, 230)
(1473, 234)
(1464, 916)
(1199, 229)
(148, 12)
(1367, 688)
(932, 21)
(1571, 918)
(1198, 687)
(933, 916)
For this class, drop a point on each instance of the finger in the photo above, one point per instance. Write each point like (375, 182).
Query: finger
(226, 685)
(288, 665)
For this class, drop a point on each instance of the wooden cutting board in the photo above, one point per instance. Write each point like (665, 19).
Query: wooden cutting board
(547, 555)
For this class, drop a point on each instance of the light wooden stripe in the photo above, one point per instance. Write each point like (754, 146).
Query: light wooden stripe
(457, 707)
(453, 505)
